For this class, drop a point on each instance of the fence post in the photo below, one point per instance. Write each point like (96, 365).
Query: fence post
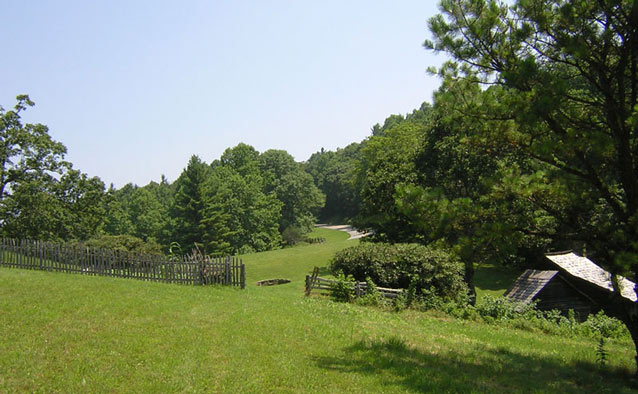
(242, 274)
(311, 281)
(200, 265)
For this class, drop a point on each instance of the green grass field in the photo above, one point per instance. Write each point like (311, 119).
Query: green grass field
(72, 333)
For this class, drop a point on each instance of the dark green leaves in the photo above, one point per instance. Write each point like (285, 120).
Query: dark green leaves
(41, 196)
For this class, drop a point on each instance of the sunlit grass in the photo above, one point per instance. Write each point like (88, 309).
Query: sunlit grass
(73, 333)
(491, 280)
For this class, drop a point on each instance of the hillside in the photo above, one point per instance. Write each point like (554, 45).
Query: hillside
(72, 333)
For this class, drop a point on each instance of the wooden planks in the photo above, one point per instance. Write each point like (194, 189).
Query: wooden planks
(314, 282)
(194, 269)
(311, 280)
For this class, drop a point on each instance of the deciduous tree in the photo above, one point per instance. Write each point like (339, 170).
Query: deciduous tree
(334, 173)
(295, 188)
(41, 195)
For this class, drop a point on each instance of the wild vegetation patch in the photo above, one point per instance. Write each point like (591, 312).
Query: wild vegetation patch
(402, 266)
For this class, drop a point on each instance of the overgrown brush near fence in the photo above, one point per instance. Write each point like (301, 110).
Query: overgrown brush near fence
(193, 269)
(314, 282)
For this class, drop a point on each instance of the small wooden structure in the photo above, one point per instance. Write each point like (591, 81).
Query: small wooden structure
(551, 290)
(577, 284)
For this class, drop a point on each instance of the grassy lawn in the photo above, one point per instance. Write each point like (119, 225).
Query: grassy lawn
(296, 262)
(493, 280)
(72, 333)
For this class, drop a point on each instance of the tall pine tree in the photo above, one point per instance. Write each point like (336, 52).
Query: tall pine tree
(189, 204)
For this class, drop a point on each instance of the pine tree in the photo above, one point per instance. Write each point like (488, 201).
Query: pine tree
(189, 204)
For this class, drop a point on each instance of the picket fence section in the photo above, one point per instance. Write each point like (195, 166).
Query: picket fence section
(193, 269)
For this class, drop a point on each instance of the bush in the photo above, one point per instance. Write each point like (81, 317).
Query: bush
(399, 265)
(501, 308)
(371, 297)
(342, 289)
(245, 249)
(126, 243)
(292, 235)
(605, 326)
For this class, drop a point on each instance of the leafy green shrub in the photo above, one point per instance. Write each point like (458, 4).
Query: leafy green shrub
(410, 294)
(605, 326)
(501, 308)
(429, 300)
(292, 235)
(400, 303)
(342, 289)
(371, 296)
(399, 265)
(245, 249)
(126, 243)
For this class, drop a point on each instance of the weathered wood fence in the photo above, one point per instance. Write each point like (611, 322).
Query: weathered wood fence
(194, 269)
(314, 282)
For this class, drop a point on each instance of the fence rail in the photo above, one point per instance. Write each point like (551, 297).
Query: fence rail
(193, 269)
(314, 282)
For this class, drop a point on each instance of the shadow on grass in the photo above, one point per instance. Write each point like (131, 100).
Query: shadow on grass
(481, 370)
(490, 277)
(324, 271)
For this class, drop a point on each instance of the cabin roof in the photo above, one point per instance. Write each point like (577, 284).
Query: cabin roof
(529, 284)
(583, 268)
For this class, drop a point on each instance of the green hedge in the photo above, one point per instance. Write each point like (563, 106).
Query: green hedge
(397, 265)
(127, 243)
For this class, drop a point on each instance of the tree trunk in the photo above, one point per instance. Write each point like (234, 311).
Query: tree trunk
(627, 312)
(634, 336)
(632, 326)
(469, 280)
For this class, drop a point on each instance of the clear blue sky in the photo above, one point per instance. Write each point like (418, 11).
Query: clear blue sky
(134, 88)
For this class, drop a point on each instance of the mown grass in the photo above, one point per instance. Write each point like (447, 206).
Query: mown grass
(296, 262)
(492, 280)
(73, 333)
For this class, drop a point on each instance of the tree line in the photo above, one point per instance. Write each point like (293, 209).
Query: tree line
(244, 201)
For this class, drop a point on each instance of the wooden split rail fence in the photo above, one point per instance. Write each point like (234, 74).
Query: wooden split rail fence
(314, 282)
(194, 269)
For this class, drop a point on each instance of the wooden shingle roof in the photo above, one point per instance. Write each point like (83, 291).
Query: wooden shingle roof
(527, 286)
(583, 268)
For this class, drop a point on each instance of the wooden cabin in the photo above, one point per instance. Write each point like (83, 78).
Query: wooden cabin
(577, 283)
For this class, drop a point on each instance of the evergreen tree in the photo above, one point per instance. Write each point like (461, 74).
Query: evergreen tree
(189, 204)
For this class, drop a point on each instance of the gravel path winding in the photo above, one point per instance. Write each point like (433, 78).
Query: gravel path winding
(354, 234)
